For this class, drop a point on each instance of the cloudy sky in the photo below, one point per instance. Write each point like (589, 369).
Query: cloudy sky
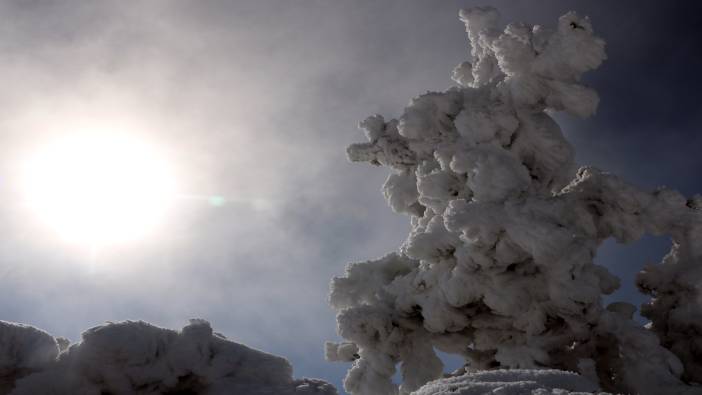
(255, 102)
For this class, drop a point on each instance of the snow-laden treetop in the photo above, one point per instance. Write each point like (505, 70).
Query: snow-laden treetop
(498, 267)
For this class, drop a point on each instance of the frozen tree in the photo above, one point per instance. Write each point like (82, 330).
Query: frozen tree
(498, 266)
(136, 358)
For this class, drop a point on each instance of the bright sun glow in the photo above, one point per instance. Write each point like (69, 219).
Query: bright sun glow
(99, 189)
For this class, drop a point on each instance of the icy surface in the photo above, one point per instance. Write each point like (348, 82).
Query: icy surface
(511, 382)
(498, 267)
(139, 358)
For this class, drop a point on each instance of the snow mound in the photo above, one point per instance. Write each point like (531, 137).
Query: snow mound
(511, 382)
(23, 350)
(139, 358)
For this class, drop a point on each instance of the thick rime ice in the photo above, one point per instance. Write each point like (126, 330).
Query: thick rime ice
(511, 382)
(139, 358)
(498, 267)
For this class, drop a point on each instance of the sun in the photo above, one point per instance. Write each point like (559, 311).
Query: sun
(99, 189)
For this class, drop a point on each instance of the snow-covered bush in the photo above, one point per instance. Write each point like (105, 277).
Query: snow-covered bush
(129, 358)
(498, 267)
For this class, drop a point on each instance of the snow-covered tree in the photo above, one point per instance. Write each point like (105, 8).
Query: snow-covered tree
(498, 266)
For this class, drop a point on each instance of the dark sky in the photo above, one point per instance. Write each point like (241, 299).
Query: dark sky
(256, 101)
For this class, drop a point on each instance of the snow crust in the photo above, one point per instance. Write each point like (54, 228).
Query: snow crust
(139, 358)
(498, 267)
(512, 382)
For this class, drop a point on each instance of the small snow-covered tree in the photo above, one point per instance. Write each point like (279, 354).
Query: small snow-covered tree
(498, 267)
